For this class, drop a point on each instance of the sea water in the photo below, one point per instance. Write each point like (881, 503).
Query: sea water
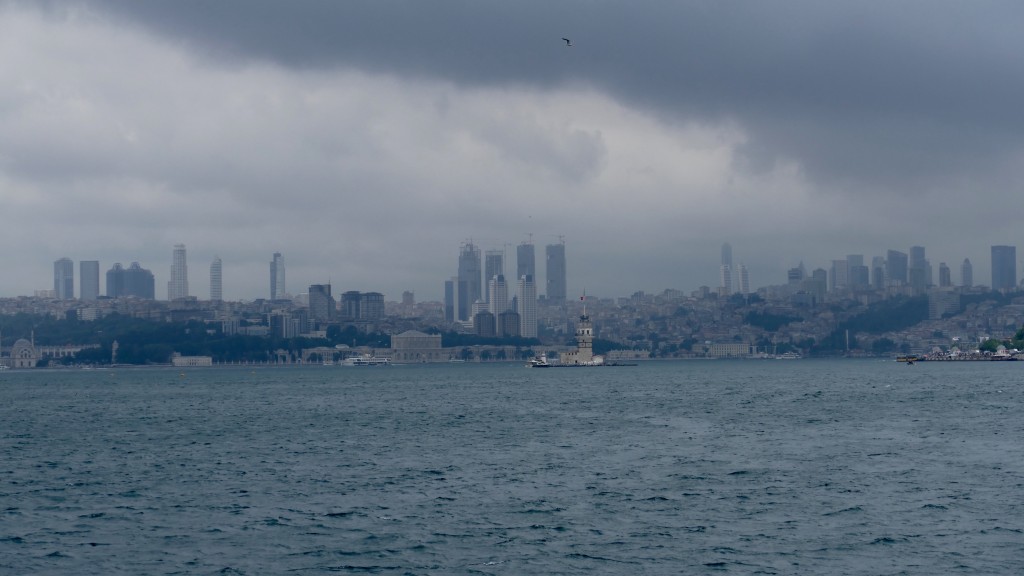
(738, 467)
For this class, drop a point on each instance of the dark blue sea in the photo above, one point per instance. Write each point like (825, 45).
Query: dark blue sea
(692, 467)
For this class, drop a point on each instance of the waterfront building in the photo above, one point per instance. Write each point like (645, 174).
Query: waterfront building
(177, 286)
(1004, 268)
(216, 285)
(526, 260)
(966, 273)
(526, 296)
(556, 290)
(415, 346)
(583, 355)
(470, 283)
(64, 279)
(277, 279)
(89, 279)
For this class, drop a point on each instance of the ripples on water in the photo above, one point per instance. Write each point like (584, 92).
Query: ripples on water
(755, 467)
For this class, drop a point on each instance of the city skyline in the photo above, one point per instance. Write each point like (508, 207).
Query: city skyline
(363, 157)
(844, 272)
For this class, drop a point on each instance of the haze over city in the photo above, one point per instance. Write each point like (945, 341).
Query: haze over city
(366, 141)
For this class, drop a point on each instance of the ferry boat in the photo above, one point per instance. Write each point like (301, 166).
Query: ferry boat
(366, 360)
(538, 363)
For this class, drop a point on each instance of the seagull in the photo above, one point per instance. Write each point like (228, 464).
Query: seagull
(567, 41)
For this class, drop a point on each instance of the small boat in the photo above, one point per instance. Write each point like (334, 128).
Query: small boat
(539, 363)
(789, 356)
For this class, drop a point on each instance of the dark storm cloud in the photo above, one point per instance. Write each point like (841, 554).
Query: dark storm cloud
(885, 96)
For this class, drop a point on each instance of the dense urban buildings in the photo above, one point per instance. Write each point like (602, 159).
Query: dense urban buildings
(89, 279)
(64, 279)
(177, 286)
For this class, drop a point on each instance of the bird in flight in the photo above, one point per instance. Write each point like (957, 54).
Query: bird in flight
(567, 41)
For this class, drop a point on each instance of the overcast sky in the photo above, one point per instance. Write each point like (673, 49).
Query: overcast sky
(366, 141)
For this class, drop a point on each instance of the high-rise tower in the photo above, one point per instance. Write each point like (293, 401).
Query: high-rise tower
(497, 295)
(1004, 267)
(526, 296)
(177, 286)
(216, 287)
(470, 287)
(277, 288)
(896, 268)
(525, 261)
(966, 273)
(556, 290)
(64, 279)
(89, 279)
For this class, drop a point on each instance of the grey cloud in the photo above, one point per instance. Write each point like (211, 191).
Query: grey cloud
(878, 95)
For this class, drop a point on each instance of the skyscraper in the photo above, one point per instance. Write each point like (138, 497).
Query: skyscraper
(135, 281)
(744, 280)
(321, 303)
(497, 295)
(896, 268)
(470, 283)
(945, 277)
(494, 265)
(177, 286)
(556, 290)
(1004, 267)
(878, 267)
(725, 271)
(919, 271)
(89, 279)
(525, 261)
(277, 288)
(966, 273)
(725, 277)
(216, 288)
(526, 296)
(64, 279)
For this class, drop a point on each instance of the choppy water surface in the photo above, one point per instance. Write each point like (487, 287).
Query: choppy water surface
(755, 467)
